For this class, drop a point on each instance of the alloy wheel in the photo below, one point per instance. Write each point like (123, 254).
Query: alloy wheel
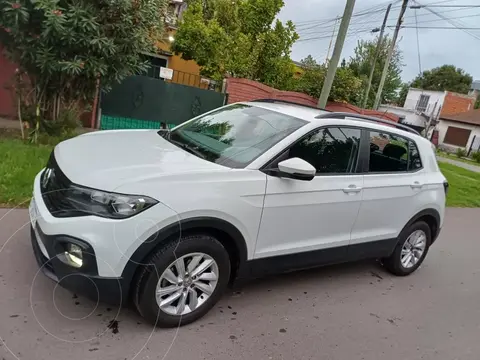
(413, 249)
(187, 283)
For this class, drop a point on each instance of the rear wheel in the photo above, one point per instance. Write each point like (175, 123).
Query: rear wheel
(184, 281)
(411, 250)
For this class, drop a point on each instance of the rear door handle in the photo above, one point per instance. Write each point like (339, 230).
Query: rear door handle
(352, 189)
(416, 185)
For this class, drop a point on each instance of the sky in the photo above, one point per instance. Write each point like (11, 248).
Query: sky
(314, 20)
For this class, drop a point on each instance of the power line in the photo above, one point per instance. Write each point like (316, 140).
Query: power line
(436, 20)
(325, 31)
(454, 23)
(327, 36)
(440, 27)
(367, 11)
(443, 6)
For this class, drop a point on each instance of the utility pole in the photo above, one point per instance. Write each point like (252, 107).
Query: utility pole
(337, 51)
(375, 57)
(389, 55)
(331, 41)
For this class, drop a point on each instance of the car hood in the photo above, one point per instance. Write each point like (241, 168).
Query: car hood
(108, 159)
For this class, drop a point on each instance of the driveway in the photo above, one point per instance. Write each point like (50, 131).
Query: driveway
(355, 311)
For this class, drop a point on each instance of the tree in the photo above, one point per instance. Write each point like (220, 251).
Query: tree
(402, 94)
(361, 62)
(62, 47)
(238, 38)
(346, 86)
(444, 78)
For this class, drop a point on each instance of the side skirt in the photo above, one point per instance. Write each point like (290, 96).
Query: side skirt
(310, 259)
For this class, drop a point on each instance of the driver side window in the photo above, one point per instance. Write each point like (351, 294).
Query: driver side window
(332, 150)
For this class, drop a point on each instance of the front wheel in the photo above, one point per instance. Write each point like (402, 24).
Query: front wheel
(411, 250)
(184, 281)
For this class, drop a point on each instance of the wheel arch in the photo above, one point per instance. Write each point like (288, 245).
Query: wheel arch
(226, 233)
(431, 217)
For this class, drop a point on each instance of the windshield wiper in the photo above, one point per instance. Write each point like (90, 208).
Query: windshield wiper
(186, 148)
(165, 133)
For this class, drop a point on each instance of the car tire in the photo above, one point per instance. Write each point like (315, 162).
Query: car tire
(404, 249)
(153, 276)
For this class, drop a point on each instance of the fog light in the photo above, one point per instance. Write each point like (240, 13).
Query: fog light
(74, 255)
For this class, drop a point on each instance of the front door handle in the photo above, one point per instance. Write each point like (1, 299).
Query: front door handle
(352, 189)
(416, 185)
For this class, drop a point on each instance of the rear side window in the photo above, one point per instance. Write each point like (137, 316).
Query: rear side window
(414, 161)
(392, 153)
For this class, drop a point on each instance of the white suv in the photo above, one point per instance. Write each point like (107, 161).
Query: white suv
(169, 219)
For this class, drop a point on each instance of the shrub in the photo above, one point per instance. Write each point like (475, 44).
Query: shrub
(68, 120)
(461, 153)
(476, 156)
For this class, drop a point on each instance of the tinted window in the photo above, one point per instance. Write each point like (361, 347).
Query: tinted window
(329, 150)
(388, 153)
(415, 162)
(234, 135)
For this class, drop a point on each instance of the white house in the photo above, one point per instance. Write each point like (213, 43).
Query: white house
(475, 89)
(460, 130)
(407, 116)
(421, 105)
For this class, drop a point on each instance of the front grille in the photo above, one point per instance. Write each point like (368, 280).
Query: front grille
(54, 185)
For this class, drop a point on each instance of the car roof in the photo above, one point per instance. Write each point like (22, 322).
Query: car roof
(296, 110)
(312, 114)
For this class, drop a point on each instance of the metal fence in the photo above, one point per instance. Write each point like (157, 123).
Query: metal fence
(185, 78)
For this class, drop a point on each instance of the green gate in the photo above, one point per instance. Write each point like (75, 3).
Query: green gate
(141, 102)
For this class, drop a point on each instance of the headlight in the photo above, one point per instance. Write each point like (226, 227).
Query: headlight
(87, 201)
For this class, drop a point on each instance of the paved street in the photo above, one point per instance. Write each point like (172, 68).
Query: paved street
(355, 311)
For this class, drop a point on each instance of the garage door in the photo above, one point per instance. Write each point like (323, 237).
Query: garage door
(457, 136)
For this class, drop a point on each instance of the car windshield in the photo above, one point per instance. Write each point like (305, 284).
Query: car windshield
(234, 135)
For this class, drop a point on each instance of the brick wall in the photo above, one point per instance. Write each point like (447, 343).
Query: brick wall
(7, 72)
(247, 90)
(456, 103)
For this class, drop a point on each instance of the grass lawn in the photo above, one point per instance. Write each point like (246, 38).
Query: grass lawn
(20, 162)
(464, 190)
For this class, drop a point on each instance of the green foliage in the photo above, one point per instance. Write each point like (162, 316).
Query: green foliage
(476, 156)
(361, 63)
(477, 103)
(311, 81)
(237, 38)
(66, 122)
(444, 78)
(63, 46)
(346, 86)
(402, 94)
(460, 153)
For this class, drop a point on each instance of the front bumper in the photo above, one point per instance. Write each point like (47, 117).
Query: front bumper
(108, 290)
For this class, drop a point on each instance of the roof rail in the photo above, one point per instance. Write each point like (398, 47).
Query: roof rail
(273, 101)
(343, 115)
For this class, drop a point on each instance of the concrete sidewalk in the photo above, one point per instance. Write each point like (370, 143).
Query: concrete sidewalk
(461, 164)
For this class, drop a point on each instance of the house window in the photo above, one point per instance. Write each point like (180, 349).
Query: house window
(423, 103)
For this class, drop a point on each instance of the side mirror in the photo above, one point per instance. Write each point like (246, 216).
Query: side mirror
(296, 168)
